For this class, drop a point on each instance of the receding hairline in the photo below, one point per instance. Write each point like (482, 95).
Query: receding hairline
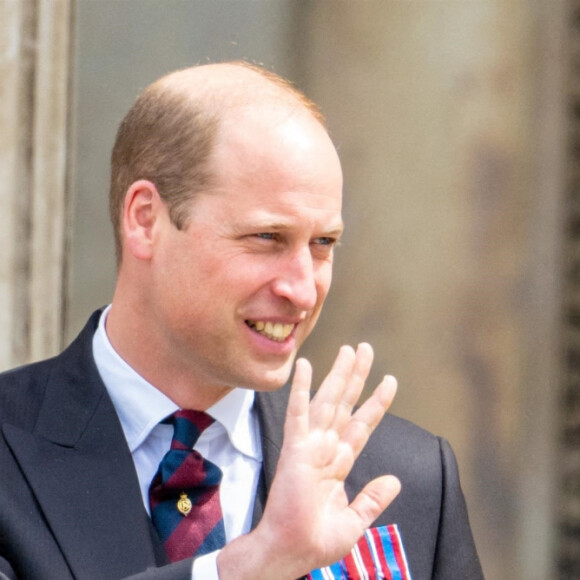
(223, 87)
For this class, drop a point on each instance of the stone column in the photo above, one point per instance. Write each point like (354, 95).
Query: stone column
(34, 68)
(569, 498)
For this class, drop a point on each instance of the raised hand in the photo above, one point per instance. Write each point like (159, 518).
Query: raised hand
(308, 521)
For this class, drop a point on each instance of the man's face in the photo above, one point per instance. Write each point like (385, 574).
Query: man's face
(240, 288)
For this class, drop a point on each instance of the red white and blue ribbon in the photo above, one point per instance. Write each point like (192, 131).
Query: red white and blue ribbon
(378, 555)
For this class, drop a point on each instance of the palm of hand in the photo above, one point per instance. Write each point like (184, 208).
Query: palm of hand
(308, 511)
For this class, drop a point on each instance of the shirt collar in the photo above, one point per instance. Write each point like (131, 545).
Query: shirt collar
(141, 406)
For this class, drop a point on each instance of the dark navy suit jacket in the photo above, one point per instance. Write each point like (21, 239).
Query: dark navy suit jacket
(70, 505)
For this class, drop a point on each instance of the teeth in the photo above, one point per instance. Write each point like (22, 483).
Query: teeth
(274, 331)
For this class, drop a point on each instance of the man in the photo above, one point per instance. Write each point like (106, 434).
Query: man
(226, 205)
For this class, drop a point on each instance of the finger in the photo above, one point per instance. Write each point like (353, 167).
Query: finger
(329, 395)
(374, 499)
(364, 421)
(355, 385)
(297, 412)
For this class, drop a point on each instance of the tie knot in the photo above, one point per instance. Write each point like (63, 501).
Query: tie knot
(187, 427)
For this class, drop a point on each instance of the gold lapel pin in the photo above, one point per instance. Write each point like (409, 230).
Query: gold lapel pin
(184, 504)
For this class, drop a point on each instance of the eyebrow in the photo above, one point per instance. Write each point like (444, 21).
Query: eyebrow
(334, 230)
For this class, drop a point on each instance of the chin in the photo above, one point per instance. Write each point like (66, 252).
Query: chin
(267, 386)
(272, 380)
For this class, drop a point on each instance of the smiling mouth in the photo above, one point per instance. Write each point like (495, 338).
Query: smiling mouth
(275, 331)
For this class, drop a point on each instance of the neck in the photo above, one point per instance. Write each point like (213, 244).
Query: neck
(136, 344)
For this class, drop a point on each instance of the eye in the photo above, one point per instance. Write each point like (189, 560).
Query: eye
(322, 248)
(268, 236)
(324, 241)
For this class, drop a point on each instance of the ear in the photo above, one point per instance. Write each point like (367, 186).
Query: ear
(142, 212)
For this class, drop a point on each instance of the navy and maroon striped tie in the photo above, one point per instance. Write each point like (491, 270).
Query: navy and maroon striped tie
(184, 494)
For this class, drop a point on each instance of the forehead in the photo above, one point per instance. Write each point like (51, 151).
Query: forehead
(275, 169)
(277, 143)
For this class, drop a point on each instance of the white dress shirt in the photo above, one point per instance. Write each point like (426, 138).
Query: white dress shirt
(232, 442)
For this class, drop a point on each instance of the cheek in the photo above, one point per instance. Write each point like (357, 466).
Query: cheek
(248, 272)
(323, 282)
(179, 282)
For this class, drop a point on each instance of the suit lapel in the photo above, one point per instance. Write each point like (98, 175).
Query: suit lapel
(79, 467)
(271, 410)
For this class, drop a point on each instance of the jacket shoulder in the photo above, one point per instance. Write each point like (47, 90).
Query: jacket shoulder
(23, 389)
(402, 448)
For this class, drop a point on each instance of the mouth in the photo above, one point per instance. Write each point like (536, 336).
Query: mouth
(275, 331)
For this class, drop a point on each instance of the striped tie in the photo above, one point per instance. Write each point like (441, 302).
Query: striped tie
(184, 494)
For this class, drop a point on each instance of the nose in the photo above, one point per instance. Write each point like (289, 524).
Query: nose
(296, 279)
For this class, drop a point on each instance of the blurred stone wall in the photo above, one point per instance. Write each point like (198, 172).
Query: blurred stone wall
(34, 98)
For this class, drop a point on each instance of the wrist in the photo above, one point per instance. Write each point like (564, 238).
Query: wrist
(255, 557)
